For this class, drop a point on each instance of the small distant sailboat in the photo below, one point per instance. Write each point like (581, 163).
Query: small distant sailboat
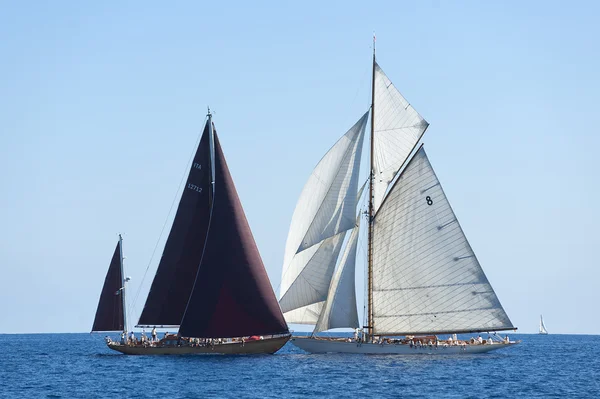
(543, 330)
(210, 284)
(423, 278)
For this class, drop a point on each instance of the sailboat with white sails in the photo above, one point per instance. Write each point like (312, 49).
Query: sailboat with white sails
(423, 278)
(543, 330)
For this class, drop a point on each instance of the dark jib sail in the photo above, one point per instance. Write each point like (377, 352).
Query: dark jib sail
(109, 315)
(176, 273)
(232, 296)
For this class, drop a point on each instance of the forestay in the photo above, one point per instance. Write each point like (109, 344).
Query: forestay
(397, 129)
(426, 278)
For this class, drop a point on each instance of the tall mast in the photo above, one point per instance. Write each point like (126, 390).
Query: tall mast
(211, 138)
(123, 281)
(370, 206)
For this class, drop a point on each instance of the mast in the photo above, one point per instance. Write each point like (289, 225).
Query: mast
(211, 152)
(370, 206)
(123, 281)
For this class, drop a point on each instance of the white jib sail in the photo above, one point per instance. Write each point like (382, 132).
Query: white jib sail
(305, 315)
(325, 210)
(339, 310)
(327, 203)
(426, 278)
(310, 271)
(397, 129)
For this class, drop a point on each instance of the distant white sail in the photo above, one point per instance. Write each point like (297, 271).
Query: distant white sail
(426, 278)
(542, 326)
(397, 129)
(325, 210)
(340, 307)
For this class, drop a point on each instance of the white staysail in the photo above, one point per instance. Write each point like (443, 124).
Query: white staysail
(309, 274)
(325, 210)
(305, 315)
(542, 326)
(340, 307)
(426, 278)
(328, 201)
(397, 127)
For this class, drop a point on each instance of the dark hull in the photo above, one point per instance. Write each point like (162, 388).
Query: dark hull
(265, 346)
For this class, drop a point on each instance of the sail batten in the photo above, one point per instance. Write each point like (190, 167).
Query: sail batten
(426, 276)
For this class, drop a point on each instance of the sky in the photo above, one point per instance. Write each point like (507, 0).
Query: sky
(102, 104)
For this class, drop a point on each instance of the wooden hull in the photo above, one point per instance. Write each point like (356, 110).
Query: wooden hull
(313, 345)
(265, 346)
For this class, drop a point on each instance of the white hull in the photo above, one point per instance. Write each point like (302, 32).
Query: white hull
(313, 345)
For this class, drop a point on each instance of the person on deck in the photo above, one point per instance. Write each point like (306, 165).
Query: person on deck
(479, 340)
(154, 334)
(132, 338)
(506, 340)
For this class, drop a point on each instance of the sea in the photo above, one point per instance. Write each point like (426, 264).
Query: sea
(81, 366)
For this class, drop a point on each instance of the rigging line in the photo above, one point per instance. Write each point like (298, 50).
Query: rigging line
(185, 173)
(360, 86)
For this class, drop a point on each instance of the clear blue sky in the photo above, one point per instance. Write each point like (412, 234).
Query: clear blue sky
(101, 104)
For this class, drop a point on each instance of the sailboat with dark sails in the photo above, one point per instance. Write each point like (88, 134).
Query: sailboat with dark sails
(211, 283)
(110, 314)
(423, 278)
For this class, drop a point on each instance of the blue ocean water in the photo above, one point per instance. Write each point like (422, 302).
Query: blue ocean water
(81, 366)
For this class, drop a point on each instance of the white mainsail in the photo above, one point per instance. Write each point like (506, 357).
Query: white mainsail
(426, 278)
(397, 128)
(340, 307)
(325, 210)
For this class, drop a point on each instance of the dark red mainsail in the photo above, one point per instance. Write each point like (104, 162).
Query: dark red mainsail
(232, 296)
(109, 315)
(176, 273)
